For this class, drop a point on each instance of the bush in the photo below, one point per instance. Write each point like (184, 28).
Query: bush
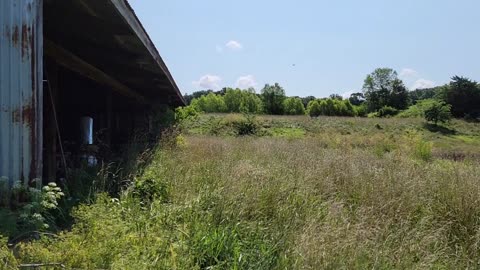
(387, 111)
(7, 259)
(438, 112)
(246, 126)
(185, 113)
(149, 189)
(361, 110)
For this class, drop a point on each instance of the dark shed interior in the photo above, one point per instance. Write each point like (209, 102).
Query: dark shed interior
(100, 63)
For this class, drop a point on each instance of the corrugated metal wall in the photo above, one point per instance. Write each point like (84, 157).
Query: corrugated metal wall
(21, 91)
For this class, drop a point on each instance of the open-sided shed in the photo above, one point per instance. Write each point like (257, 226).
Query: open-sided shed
(61, 61)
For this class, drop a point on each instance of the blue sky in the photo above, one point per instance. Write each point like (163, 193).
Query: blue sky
(313, 47)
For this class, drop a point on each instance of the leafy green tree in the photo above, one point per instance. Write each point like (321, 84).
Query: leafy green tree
(421, 94)
(313, 108)
(307, 100)
(322, 104)
(210, 103)
(245, 101)
(349, 109)
(383, 88)
(329, 107)
(398, 95)
(293, 106)
(196, 95)
(357, 99)
(251, 102)
(438, 112)
(464, 96)
(273, 97)
(336, 96)
(233, 99)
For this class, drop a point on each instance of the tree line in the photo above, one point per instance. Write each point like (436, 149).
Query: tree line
(383, 94)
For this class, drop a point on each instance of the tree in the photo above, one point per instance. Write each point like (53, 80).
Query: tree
(273, 97)
(293, 106)
(251, 103)
(233, 99)
(464, 96)
(210, 103)
(336, 96)
(438, 111)
(383, 88)
(307, 100)
(357, 99)
(196, 95)
(350, 110)
(329, 107)
(398, 96)
(313, 108)
(422, 94)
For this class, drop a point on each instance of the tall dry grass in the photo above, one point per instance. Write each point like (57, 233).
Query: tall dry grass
(320, 202)
(342, 207)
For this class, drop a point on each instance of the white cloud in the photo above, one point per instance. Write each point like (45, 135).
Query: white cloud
(413, 78)
(234, 45)
(210, 82)
(246, 82)
(422, 84)
(408, 73)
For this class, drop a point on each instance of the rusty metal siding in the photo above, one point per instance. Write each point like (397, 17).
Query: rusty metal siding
(21, 92)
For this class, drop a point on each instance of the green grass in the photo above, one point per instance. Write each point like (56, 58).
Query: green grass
(334, 193)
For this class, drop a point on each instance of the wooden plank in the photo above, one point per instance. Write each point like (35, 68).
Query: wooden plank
(74, 63)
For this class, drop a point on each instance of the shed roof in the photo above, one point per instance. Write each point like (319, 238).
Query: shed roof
(109, 36)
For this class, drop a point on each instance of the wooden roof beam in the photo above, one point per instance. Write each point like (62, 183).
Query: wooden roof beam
(74, 63)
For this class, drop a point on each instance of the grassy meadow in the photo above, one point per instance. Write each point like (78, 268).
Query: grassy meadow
(297, 193)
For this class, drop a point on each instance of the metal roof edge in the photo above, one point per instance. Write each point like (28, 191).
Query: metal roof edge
(127, 12)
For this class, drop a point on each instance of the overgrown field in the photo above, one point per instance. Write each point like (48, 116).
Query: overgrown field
(299, 193)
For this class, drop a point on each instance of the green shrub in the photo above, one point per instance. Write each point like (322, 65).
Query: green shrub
(7, 259)
(387, 111)
(149, 189)
(438, 112)
(417, 110)
(361, 110)
(185, 113)
(246, 125)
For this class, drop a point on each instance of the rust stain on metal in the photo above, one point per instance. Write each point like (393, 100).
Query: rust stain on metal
(26, 115)
(25, 40)
(15, 35)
